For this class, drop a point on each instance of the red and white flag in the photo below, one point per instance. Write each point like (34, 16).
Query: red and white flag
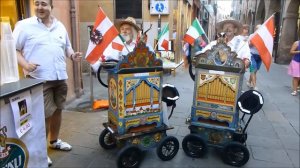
(113, 50)
(104, 38)
(263, 41)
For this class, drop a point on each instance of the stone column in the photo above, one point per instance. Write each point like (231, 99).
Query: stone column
(288, 32)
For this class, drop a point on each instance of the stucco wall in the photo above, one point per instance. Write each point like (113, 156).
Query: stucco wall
(61, 10)
(88, 12)
(288, 31)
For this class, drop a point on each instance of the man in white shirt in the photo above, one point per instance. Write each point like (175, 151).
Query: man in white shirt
(129, 31)
(232, 29)
(42, 45)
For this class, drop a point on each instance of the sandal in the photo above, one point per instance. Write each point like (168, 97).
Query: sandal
(294, 93)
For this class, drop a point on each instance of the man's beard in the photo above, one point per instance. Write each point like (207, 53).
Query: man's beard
(229, 36)
(126, 37)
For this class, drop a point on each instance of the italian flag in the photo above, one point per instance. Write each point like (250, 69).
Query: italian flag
(194, 31)
(110, 39)
(163, 38)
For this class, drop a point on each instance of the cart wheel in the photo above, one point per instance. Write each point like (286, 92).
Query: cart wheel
(129, 156)
(106, 140)
(194, 146)
(240, 137)
(235, 154)
(109, 64)
(100, 79)
(168, 148)
(191, 71)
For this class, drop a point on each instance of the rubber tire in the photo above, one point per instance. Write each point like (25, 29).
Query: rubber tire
(135, 153)
(99, 77)
(227, 153)
(102, 142)
(163, 143)
(193, 138)
(191, 72)
(99, 72)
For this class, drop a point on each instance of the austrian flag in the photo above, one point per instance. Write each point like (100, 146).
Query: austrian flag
(102, 36)
(263, 41)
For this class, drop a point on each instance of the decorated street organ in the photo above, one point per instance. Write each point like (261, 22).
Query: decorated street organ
(215, 120)
(135, 114)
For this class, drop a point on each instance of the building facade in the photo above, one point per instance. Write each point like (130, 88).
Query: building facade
(179, 17)
(253, 12)
(65, 11)
(207, 17)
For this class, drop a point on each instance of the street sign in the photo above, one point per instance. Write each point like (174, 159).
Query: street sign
(159, 7)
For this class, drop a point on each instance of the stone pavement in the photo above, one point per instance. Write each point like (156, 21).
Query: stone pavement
(273, 134)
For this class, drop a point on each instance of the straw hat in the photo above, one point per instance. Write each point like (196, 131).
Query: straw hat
(129, 20)
(236, 23)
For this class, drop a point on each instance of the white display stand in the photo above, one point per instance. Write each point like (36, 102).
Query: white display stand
(30, 150)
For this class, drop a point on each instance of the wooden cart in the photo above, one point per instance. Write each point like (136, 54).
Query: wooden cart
(218, 99)
(135, 116)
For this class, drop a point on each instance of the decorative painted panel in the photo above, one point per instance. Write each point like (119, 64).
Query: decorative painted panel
(112, 92)
(142, 120)
(141, 95)
(121, 98)
(148, 141)
(140, 57)
(217, 91)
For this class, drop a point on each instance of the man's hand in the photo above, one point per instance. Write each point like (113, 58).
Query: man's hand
(30, 67)
(76, 56)
(247, 63)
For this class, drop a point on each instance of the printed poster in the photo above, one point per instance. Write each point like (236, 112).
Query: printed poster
(22, 111)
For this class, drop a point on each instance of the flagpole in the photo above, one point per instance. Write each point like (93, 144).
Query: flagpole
(123, 41)
(203, 30)
(161, 32)
(254, 33)
(206, 38)
(126, 47)
(155, 45)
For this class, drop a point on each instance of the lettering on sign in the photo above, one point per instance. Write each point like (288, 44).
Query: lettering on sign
(13, 152)
(15, 98)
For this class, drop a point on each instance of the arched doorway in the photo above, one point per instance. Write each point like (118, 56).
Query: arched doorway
(249, 18)
(249, 21)
(289, 30)
(244, 19)
(14, 10)
(260, 13)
